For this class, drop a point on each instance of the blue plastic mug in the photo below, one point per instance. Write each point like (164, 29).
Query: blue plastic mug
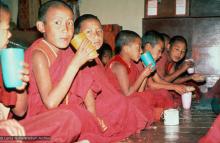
(148, 59)
(11, 59)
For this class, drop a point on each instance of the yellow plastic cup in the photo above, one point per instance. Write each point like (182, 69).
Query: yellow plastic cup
(78, 39)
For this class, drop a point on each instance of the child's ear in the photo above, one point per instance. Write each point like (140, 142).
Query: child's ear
(168, 47)
(126, 48)
(40, 26)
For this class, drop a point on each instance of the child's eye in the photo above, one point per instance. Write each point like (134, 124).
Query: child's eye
(100, 31)
(70, 23)
(58, 22)
(88, 32)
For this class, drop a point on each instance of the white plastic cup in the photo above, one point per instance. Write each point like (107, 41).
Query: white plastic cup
(171, 117)
(186, 100)
(191, 70)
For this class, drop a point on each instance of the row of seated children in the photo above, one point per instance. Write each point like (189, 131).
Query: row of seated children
(58, 81)
(167, 71)
(63, 82)
(57, 125)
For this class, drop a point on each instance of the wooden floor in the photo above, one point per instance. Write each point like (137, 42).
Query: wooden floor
(194, 123)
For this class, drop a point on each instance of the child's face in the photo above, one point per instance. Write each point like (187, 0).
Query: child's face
(156, 51)
(4, 28)
(177, 51)
(93, 30)
(134, 49)
(106, 57)
(58, 27)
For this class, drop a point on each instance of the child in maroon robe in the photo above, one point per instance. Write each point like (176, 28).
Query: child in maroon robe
(65, 127)
(118, 117)
(54, 84)
(153, 42)
(53, 67)
(128, 79)
(167, 66)
(16, 98)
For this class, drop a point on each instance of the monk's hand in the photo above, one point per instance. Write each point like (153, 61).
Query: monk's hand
(24, 77)
(186, 65)
(180, 89)
(147, 71)
(102, 124)
(86, 52)
(12, 127)
(198, 77)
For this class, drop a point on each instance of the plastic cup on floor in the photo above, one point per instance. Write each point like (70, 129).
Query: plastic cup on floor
(186, 100)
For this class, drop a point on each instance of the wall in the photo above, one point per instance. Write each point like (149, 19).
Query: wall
(201, 28)
(127, 13)
(13, 6)
(205, 8)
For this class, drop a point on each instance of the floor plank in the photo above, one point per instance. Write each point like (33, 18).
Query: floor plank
(194, 123)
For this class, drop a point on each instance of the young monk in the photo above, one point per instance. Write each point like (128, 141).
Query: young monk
(53, 67)
(13, 98)
(167, 66)
(102, 100)
(57, 131)
(125, 76)
(152, 42)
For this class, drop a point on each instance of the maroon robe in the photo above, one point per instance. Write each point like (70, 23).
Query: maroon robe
(90, 129)
(164, 65)
(121, 117)
(7, 97)
(213, 135)
(145, 101)
(54, 126)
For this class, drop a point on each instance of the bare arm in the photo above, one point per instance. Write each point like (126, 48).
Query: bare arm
(21, 103)
(174, 75)
(53, 95)
(90, 103)
(157, 83)
(123, 79)
(195, 77)
(183, 79)
(91, 107)
(143, 85)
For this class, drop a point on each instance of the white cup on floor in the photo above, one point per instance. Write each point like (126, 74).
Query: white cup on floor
(171, 117)
(186, 100)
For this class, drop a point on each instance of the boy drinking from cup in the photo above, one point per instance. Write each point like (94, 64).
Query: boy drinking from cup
(127, 78)
(16, 101)
(16, 98)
